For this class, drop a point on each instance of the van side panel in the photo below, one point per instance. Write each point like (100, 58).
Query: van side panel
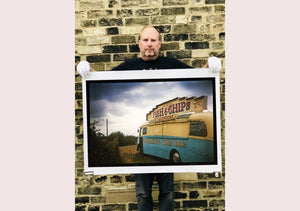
(190, 149)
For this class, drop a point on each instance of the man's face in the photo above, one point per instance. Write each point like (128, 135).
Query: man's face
(149, 44)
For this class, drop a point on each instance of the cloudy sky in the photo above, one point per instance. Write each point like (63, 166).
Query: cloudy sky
(126, 104)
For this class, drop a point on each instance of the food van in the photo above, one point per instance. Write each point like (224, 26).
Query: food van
(180, 130)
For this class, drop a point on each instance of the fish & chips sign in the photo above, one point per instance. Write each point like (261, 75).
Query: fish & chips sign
(172, 108)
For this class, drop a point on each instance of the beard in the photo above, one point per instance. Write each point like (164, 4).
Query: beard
(149, 53)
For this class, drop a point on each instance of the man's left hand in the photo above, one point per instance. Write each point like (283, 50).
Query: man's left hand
(214, 64)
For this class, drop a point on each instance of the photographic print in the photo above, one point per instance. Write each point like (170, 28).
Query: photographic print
(151, 122)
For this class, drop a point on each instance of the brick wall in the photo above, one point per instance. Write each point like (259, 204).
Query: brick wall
(106, 33)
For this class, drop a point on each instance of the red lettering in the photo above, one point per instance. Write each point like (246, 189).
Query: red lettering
(174, 108)
(161, 112)
(182, 106)
(188, 106)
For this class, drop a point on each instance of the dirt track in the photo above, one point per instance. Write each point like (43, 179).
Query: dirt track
(130, 149)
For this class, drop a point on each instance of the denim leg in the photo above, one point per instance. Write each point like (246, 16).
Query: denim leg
(166, 191)
(143, 184)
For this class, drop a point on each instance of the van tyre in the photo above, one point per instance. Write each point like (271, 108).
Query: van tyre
(175, 157)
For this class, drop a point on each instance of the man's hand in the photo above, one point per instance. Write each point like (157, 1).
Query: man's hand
(83, 68)
(214, 64)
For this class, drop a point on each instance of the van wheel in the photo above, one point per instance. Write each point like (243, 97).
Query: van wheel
(175, 157)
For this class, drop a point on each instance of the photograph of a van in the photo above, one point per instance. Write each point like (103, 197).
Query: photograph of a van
(180, 137)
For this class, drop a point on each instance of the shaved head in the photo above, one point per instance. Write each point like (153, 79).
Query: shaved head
(149, 43)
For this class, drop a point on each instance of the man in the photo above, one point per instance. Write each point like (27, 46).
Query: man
(149, 44)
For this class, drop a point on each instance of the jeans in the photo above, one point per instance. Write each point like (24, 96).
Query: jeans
(144, 182)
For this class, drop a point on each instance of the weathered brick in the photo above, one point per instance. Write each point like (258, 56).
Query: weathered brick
(97, 199)
(215, 18)
(88, 23)
(89, 190)
(130, 178)
(79, 147)
(163, 28)
(206, 175)
(128, 3)
(196, 18)
(81, 200)
(147, 12)
(124, 13)
(78, 112)
(80, 208)
(194, 203)
(78, 32)
(98, 58)
(123, 57)
(137, 21)
(184, 28)
(217, 203)
(218, 54)
(175, 2)
(216, 184)
(211, 209)
(214, 1)
(123, 39)
(200, 10)
(113, 3)
(222, 36)
(220, 8)
(123, 196)
(109, 207)
(94, 208)
(212, 193)
(98, 13)
(101, 179)
(134, 48)
(132, 206)
(112, 31)
(131, 29)
(180, 195)
(169, 46)
(115, 49)
(116, 179)
(110, 22)
(196, 45)
(163, 19)
(197, 2)
(218, 45)
(98, 40)
(179, 54)
(175, 37)
(98, 66)
(202, 37)
(173, 11)
(194, 194)
(77, 59)
(92, 5)
(194, 185)
(78, 95)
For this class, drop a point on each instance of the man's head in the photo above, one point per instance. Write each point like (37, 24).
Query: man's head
(149, 43)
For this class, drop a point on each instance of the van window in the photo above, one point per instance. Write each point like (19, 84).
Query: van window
(144, 130)
(198, 129)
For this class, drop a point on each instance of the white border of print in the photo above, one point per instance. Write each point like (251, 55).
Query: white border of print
(157, 74)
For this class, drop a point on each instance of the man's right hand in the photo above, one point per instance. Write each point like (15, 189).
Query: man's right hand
(83, 68)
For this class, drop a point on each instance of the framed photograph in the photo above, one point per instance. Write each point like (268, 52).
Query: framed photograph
(151, 121)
